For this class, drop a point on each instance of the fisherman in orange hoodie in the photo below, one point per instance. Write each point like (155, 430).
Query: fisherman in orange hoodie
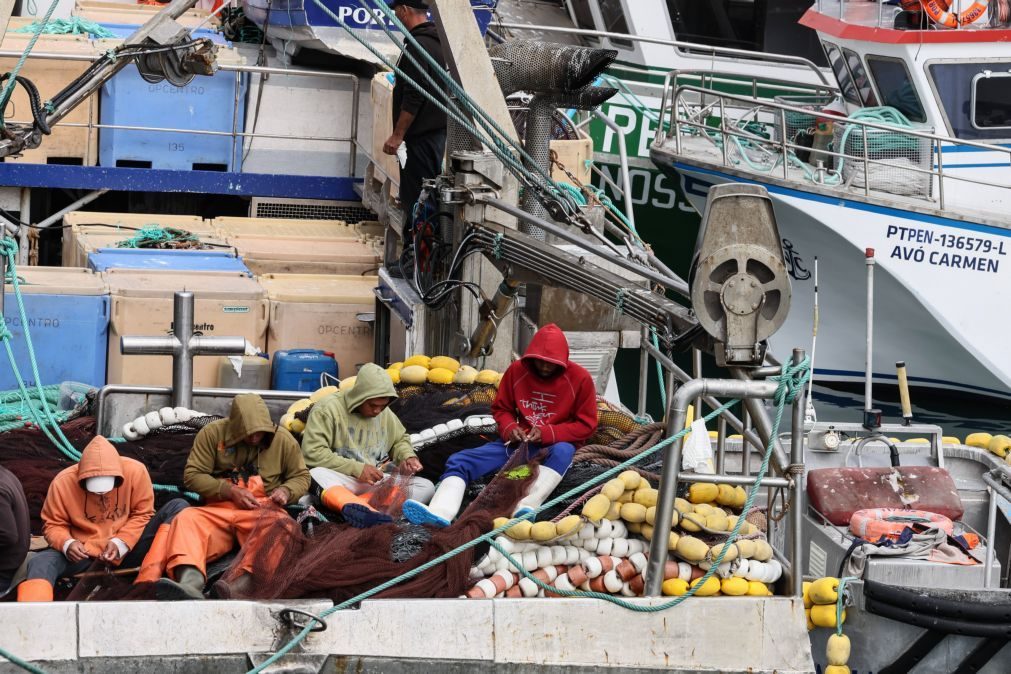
(99, 509)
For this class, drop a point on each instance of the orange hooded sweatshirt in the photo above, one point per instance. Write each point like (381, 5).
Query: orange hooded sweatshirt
(72, 512)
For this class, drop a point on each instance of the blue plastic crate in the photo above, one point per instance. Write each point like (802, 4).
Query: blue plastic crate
(206, 104)
(68, 318)
(104, 259)
(300, 369)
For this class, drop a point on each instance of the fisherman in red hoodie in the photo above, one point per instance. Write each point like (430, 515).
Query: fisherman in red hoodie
(543, 399)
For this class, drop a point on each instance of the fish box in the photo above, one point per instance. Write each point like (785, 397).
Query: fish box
(67, 312)
(214, 103)
(332, 313)
(286, 228)
(74, 145)
(104, 259)
(141, 302)
(301, 369)
(84, 232)
(305, 255)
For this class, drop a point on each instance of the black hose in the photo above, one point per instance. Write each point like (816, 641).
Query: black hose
(962, 609)
(34, 101)
(946, 625)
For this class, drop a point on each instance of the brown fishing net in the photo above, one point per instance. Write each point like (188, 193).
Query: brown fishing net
(338, 562)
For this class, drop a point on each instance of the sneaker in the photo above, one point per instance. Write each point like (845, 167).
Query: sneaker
(363, 517)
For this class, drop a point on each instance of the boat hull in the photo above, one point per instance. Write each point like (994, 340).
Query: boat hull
(939, 306)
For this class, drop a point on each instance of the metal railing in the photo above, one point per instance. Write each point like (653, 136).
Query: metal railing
(688, 49)
(235, 133)
(790, 468)
(692, 110)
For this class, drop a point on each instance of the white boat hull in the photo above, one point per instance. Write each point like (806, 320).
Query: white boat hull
(939, 306)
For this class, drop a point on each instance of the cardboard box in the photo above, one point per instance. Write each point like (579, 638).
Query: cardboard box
(225, 305)
(83, 231)
(333, 313)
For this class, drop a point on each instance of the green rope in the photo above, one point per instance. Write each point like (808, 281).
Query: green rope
(156, 236)
(5, 96)
(791, 383)
(75, 25)
(840, 601)
(21, 663)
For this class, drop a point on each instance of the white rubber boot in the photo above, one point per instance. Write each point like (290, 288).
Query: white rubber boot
(546, 482)
(443, 507)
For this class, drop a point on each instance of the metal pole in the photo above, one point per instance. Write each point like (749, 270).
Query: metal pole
(676, 415)
(58, 215)
(763, 424)
(182, 368)
(353, 150)
(626, 181)
(869, 353)
(237, 165)
(745, 442)
(697, 374)
(991, 531)
(796, 587)
(643, 371)
(26, 216)
(721, 444)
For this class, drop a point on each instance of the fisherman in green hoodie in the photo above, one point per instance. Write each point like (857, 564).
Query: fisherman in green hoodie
(347, 436)
(246, 469)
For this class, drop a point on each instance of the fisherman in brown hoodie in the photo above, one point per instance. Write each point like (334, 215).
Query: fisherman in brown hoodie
(246, 468)
(97, 510)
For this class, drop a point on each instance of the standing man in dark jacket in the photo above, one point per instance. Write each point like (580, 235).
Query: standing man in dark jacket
(15, 535)
(416, 121)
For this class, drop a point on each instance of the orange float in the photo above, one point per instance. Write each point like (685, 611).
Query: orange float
(939, 12)
(874, 523)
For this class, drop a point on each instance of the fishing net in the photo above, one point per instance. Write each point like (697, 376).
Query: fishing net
(156, 236)
(338, 562)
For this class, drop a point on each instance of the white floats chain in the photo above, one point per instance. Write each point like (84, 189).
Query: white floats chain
(453, 428)
(166, 416)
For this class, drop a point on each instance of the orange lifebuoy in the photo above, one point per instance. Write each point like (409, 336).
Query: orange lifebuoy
(874, 523)
(937, 10)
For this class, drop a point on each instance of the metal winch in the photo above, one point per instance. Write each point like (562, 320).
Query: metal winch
(740, 288)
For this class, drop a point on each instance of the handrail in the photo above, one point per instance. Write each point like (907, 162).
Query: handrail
(684, 112)
(724, 52)
(235, 134)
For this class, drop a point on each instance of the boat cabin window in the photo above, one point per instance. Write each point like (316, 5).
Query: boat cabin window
(614, 21)
(863, 83)
(991, 101)
(891, 76)
(975, 97)
(842, 74)
(584, 19)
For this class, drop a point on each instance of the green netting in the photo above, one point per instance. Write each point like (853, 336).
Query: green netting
(75, 25)
(18, 412)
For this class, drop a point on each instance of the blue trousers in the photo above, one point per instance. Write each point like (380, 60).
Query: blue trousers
(473, 464)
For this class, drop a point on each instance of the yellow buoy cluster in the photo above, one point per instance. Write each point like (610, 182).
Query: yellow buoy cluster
(820, 598)
(295, 425)
(419, 369)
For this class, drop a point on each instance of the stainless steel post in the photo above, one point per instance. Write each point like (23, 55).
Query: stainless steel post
(763, 424)
(991, 531)
(183, 345)
(643, 371)
(697, 374)
(869, 353)
(676, 415)
(721, 444)
(746, 444)
(796, 585)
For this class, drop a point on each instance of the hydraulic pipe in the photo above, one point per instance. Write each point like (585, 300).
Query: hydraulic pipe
(676, 416)
(677, 285)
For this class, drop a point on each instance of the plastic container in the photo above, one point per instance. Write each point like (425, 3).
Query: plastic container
(227, 305)
(332, 313)
(246, 372)
(360, 257)
(287, 228)
(214, 103)
(301, 369)
(103, 230)
(68, 318)
(105, 259)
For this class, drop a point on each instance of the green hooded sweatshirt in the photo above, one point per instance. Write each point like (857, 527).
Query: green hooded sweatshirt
(221, 454)
(338, 438)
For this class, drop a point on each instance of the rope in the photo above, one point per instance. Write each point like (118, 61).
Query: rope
(5, 96)
(840, 601)
(156, 236)
(75, 25)
(791, 383)
(21, 663)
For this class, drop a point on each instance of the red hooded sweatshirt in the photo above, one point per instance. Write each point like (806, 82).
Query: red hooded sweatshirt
(564, 407)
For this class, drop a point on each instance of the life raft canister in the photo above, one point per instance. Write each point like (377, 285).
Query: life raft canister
(938, 12)
(874, 523)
